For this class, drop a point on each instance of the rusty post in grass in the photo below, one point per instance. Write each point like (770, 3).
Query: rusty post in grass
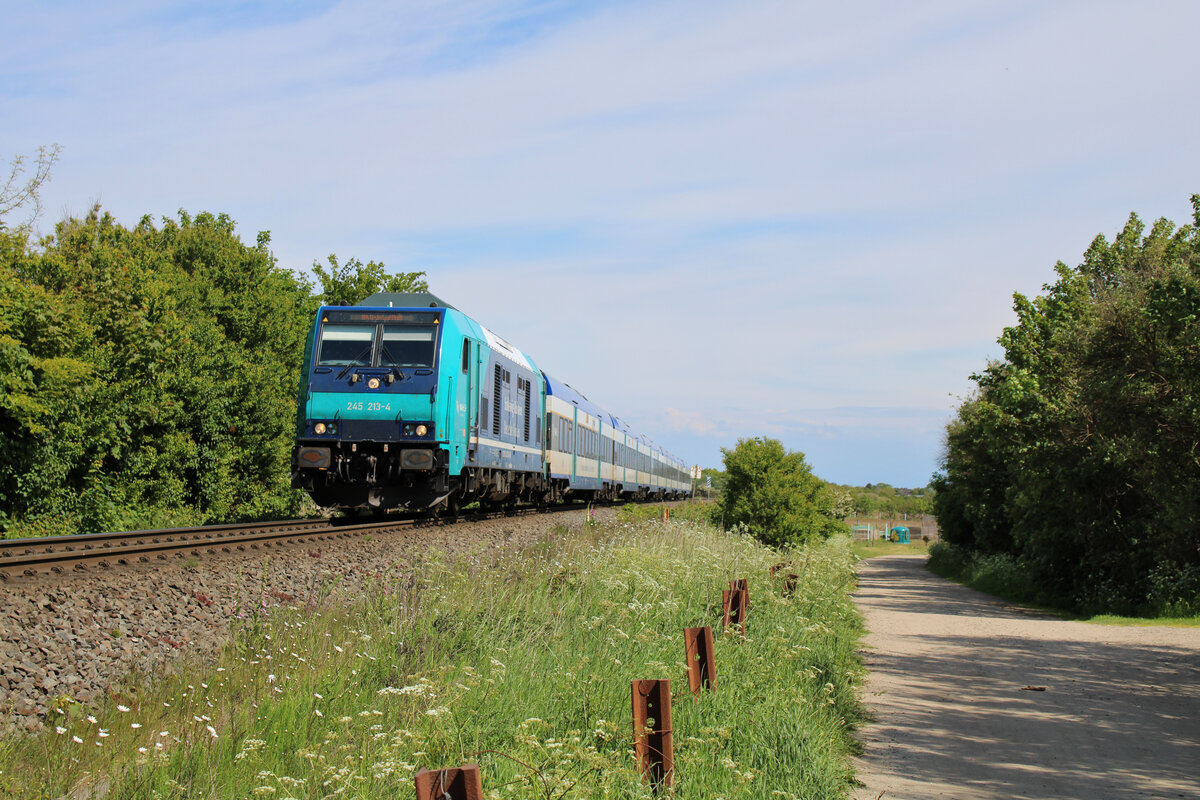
(735, 603)
(652, 733)
(459, 783)
(702, 667)
(742, 585)
(789, 579)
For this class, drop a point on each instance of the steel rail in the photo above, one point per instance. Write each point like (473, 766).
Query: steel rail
(58, 554)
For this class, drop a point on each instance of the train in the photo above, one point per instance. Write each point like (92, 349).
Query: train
(405, 402)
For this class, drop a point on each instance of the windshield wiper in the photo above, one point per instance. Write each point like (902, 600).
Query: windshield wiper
(354, 362)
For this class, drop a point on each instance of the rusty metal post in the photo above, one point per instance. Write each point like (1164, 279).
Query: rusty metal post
(735, 602)
(702, 667)
(666, 515)
(742, 585)
(789, 579)
(459, 783)
(652, 732)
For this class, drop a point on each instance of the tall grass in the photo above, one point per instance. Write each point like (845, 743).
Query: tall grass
(521, 664)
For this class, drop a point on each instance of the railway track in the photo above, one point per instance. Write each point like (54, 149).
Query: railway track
(59, 554)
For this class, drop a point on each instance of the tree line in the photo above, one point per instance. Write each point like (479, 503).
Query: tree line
(149, 374)
(1077, 457)
(884, 499)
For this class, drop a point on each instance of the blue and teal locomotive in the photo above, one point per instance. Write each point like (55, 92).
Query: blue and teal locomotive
(407, 402)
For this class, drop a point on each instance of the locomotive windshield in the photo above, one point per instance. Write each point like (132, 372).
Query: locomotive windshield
(407, 346)
(388, 339)
(346, 345)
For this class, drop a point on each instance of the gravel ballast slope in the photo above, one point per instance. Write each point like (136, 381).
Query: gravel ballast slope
(79, 633)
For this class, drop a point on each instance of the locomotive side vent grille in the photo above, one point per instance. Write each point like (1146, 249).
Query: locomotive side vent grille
(527, 411)
(496, 402)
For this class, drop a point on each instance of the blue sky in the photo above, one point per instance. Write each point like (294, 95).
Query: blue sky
(719, 220)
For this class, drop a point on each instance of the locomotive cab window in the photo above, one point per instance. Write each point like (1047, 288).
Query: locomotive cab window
(407, 346)
(346, 345)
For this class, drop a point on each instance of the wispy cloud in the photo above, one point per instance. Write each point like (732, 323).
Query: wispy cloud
(702, 214)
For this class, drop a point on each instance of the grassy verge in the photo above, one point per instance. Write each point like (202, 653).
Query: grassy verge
(1003, 577)
(522, 665)
(877, 548)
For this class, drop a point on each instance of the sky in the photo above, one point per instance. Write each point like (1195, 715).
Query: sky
(796, 220)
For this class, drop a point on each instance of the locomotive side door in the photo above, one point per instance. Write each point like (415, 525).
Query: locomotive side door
(471, 368)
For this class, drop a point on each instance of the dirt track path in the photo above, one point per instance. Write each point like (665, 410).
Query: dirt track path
(1119, 717)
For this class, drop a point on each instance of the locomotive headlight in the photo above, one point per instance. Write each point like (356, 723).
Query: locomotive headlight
(422, 430)
(373, 383)
(319, 428)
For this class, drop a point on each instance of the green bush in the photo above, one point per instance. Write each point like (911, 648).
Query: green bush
(995, 573)
(774, 494)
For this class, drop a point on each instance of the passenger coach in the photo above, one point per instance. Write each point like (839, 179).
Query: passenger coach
(407, 402)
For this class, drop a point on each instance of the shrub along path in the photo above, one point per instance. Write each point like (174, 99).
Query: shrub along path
(955, 688)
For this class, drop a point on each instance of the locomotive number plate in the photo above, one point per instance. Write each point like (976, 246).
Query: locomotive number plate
(358, 405)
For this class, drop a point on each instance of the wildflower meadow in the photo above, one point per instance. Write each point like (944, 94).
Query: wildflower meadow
(520, 662)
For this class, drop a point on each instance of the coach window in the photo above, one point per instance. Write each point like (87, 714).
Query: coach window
(346, 345)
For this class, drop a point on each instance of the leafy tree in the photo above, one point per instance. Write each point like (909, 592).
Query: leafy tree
(1076, 454)
(843, 502)
(149, 375)
(347, 284)
(775, 494)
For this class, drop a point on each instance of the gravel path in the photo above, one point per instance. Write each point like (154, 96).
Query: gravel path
(954, 690)
(80, 633)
